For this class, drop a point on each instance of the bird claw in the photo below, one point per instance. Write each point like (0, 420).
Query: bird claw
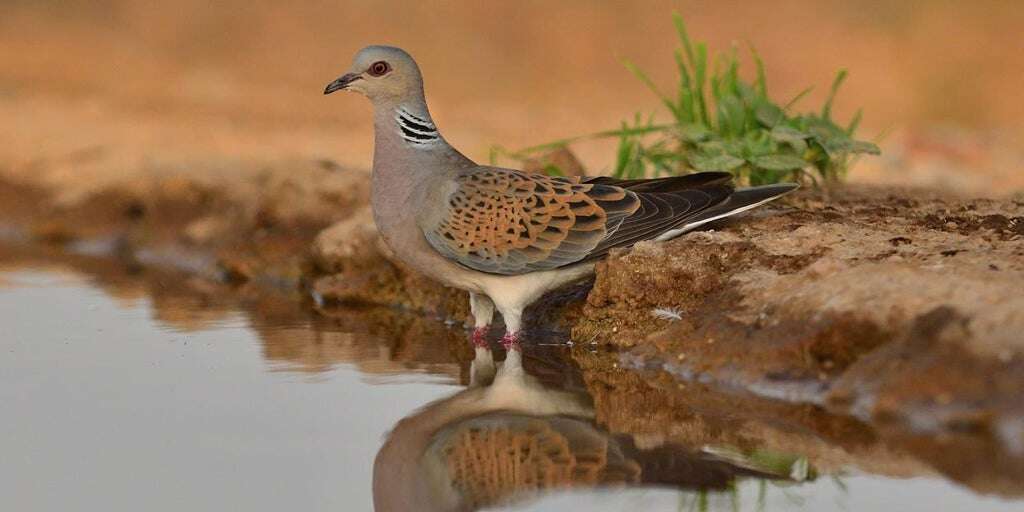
(480, 337)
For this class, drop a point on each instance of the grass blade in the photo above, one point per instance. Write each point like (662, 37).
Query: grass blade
(762, 81)
(826, 110)
(640, 74)
(700, 67)
(684, 38)
(855, 122)
(797, 98)
(685, 101)
(723, 122)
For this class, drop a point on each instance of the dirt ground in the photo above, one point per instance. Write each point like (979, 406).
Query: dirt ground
(92, 92)
(887, 305)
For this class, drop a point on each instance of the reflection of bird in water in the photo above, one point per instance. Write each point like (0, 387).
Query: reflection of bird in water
(509, 438)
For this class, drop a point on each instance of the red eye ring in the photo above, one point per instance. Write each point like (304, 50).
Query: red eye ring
(378, 68)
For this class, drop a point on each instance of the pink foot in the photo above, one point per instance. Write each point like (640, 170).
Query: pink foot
(511, 341)
(480, 337)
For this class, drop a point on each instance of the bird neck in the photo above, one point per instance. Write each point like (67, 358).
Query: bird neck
(409, 171)
(407, 125)
(405, 133)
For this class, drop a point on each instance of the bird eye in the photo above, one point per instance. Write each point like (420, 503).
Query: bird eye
(379, 68)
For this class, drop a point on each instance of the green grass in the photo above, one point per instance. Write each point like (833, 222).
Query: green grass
(723, 122)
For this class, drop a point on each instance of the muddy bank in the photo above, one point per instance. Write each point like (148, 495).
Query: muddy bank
(893, 306)
(889, 306)
(226, 220)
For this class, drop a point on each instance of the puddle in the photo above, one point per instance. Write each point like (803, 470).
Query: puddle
(122, 389)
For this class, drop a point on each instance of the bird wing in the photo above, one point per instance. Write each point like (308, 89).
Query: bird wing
(665, 204)
(499, 457)
(504, 221)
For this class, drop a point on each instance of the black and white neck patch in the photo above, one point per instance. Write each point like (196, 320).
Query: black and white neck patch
(415, 129)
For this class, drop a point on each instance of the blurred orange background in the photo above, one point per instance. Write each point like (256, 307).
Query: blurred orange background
(145, 82)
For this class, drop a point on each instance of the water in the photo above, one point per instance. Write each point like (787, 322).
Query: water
(122, 391)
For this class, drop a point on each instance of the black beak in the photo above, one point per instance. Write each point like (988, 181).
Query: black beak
(342, 83)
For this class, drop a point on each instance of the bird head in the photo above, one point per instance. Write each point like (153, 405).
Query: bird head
(381, 73)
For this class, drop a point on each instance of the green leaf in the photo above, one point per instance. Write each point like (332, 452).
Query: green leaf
(825, 131)
(731, 115)
(783, 133)
(796, 139)
(838, 146)
(715, 163)
(860, 146)
(754, 144)
(748, 94)
(694, 132)
(779, 162)
(768, 114)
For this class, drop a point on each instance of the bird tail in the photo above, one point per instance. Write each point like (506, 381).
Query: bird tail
(740, 201)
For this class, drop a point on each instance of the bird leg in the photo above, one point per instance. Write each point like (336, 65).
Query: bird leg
(483, 311)
(513, 316)
(479, 337)
(511, 341)
(482, 369)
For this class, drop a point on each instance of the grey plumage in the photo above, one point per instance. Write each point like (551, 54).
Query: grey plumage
(504, 235)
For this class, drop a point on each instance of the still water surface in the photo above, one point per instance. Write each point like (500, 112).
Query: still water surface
(121, 398)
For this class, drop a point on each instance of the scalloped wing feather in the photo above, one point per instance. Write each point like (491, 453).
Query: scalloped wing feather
(503, 221)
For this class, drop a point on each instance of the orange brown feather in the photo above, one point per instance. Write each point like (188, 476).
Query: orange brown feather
(510, 222)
